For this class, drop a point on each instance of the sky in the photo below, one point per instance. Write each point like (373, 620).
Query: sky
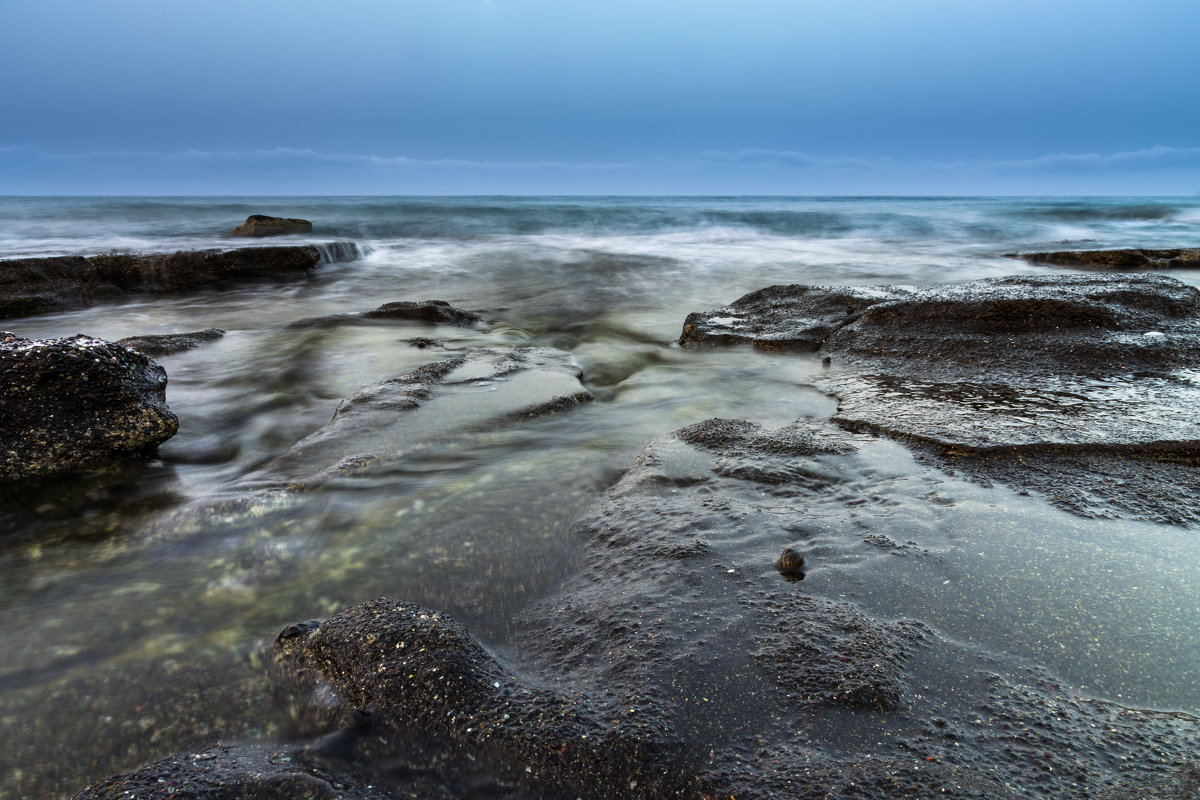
(429, 97)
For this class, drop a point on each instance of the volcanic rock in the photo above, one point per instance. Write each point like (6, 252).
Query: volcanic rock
(261, 225)
(75, 402)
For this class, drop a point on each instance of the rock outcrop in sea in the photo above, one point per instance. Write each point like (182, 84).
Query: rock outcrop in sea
(1036, 381)
(77, 402)
(262, 225)
(1128, 260)
(39, 285)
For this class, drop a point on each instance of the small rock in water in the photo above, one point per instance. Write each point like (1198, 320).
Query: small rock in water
(790, 562)
(262, 225)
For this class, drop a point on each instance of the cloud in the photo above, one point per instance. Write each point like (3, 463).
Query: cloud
(1156, 157)
(286, 170)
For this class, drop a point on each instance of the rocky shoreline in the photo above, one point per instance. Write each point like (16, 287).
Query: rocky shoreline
(40, 285)
(682, 662)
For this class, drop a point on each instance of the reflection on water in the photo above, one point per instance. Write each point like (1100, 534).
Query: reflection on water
(171, 566)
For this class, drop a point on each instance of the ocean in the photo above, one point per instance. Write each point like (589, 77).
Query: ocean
(105, 579)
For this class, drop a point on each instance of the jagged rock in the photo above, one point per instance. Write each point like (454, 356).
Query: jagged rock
(1119, 260)
(37, 285)
(165, 344)
(75, 402)
(261, 225)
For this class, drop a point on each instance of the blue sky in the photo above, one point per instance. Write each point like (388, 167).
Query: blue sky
(599, 97)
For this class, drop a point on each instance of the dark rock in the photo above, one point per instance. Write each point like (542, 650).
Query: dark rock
(1015, 374)
(37, 285)
(233, 772)
(260, 225)
(1118, 260)
(782, 317)
(405, 415)
(165, 344)
(437, 311)
(418, 673)
(75, 402)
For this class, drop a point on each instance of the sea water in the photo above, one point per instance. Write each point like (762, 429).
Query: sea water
(104, 578)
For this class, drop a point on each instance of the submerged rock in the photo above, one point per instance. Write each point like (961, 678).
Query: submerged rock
(37, 285)
(482, 389)
(1006, 377)
(1117, 260)
(245, 772)
(76, 402)
(437, 312)
(261, 225)
(165, 344)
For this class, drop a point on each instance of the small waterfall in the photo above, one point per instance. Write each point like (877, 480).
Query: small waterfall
(338, 252)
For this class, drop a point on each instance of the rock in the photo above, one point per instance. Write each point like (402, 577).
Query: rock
(1008, 377)
(260, 225)
(418, 674)
(403, 416)
(244, 772)
(1119, 260)
(76, 402)
(782, 317)
(438, 312)
(165, 344)
(38, 285)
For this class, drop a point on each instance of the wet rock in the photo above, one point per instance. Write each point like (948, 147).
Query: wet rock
(480, 390)
(229, 772)
(417, 673)
(437, 312)
(165, 344)
(38, 285)
(792, 317)
(76, 402)
(1118, 260)
(261, 225)
(1007, 377)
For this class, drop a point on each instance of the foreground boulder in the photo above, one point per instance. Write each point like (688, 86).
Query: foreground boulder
(38, 285)
(1117, 260)
(1013, 378)
(75, 402)
(262, 225)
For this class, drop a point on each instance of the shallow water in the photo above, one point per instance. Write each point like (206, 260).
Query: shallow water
(183, 559)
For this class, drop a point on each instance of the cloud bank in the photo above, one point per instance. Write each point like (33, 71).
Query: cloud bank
(1154, 170)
